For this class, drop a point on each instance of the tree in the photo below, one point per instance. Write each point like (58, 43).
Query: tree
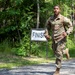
(17, 17)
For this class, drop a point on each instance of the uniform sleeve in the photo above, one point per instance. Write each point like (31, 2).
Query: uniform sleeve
(68, 25)
(47, 26)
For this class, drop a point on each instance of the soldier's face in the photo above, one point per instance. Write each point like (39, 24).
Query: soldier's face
(56, 10)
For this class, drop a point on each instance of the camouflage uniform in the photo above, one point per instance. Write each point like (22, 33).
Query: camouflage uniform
(58, 26)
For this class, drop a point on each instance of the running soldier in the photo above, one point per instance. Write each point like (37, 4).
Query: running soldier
(61, 27)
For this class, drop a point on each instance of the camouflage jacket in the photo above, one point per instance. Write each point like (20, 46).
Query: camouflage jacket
(58, 26)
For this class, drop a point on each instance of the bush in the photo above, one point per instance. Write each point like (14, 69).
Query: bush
(41, 49)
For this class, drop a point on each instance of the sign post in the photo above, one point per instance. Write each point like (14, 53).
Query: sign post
(37, 35)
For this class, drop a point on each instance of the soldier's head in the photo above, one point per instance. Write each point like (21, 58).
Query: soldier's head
(56, 10)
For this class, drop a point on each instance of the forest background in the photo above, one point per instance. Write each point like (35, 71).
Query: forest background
(18, 17)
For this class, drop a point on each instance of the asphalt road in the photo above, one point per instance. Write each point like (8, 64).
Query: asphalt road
(68, 68)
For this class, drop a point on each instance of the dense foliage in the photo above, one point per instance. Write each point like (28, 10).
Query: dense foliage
(17, 17)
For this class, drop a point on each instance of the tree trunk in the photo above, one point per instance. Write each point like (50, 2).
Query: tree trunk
(38, 13)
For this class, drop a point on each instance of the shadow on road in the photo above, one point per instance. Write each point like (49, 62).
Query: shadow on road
(68, 68)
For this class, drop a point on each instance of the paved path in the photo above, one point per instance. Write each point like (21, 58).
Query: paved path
(68, 68)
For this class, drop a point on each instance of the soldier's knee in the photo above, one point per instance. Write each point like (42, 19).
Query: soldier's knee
(58, 55)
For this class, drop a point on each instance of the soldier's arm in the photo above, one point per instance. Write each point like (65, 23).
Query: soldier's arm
(47, 27)
(47, 34)
(69, 25)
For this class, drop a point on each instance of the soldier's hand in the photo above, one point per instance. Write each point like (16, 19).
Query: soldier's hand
(64, 34)
(47, 36)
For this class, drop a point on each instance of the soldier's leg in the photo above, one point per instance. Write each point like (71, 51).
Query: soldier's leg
(66, 52)
(59, 55)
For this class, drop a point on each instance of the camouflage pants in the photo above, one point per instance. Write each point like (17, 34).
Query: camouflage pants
(58, 49)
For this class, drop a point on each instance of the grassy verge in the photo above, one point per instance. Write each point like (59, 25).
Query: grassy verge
(11, 61)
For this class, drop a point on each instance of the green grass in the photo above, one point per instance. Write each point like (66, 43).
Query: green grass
(11, 61)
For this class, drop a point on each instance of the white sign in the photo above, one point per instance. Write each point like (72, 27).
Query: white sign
(38, 35)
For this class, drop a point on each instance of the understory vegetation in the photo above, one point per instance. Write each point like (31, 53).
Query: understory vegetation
(18, 17)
